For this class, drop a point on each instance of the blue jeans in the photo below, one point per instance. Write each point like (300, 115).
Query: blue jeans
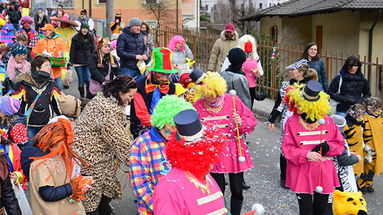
(132, 72)
(59, 83)
(83, 75)
(341, 114)
(31, 132)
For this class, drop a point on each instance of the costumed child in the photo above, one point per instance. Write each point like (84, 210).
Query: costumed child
(343, 164)
(147, 156)
(188, 188)
(373, 139)
(230, 114)
(353, 133)
(189, 81)
(300, 73)
(310, 141)
(8, 199)
(56, 186)
(18, 63)
(12, 132)
(252, 66)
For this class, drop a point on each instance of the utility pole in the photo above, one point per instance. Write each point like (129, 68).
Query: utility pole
(109, 16)
(177, 16)
(90, 8)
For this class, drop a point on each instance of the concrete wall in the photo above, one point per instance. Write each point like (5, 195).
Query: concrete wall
(367, 18)
(267, 22)
(340, 31)
(296, 30)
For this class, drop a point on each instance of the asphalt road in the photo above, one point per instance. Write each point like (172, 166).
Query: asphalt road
(263, 178)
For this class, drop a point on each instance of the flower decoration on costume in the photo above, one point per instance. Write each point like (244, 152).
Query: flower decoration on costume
(198, 156)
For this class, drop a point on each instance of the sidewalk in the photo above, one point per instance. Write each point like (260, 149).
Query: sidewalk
(263, 108)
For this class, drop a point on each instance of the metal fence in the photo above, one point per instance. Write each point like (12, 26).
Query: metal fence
(201, 45)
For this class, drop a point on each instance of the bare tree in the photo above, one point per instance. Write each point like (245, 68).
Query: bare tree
(160, 11)
(222, 13)
(245, 27)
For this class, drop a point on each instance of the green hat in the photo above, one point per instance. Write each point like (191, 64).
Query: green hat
(162, 61)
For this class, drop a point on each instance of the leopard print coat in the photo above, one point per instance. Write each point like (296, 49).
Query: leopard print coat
(100, 139)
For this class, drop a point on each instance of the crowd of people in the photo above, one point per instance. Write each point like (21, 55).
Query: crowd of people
(178, 130)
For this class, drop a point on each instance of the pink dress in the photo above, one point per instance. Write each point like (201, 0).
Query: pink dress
(303, 175)
(223, 119)
(176, 194)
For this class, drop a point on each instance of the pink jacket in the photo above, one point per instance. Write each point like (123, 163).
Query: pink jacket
(14, 68)
(224, 119)
(176, 194)
(303, 175)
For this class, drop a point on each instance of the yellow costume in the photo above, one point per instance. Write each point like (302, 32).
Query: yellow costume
(354, 137)
(373, 152)
(346, 203)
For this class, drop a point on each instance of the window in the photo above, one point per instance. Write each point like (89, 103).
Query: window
(274, 33)
(151, 1)
(260, 5)
(102, 1)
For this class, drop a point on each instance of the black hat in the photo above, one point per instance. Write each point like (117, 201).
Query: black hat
(236, 56)
(311, 91)
(197, 75)
(188, 125)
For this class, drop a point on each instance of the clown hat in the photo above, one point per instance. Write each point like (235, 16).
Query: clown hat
(162, 61)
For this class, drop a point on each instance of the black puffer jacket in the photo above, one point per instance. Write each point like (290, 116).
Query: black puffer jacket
(354, 89)
(14, 16)
(82, 47)
(99, 73)
(128, 46)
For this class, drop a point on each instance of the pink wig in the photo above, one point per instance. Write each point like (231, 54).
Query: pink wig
(26, 19)
(176, 39)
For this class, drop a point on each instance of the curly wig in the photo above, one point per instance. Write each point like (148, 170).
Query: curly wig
(26, 19)
(167, 108)
(196, 157)
(213, 85)
(173, 42)
(314, 109)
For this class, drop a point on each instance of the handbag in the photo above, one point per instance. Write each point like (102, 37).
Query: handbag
(95, 87)
(334, 103)
(261, 95)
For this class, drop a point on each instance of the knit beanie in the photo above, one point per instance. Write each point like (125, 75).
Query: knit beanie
(84, 26)
(19, 49)
(69, 105)
(236, 56)
(9, 105)
(135, 22)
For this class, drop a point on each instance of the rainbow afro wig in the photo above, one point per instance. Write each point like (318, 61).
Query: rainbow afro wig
(167, 108)
(213, 85)
(313, 109)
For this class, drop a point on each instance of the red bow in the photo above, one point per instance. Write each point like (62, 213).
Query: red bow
(151, 87)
